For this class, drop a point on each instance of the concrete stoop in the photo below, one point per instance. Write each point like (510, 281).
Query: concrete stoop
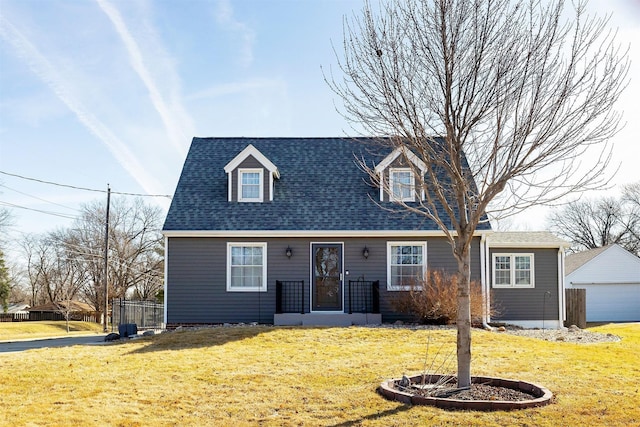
(326, 319)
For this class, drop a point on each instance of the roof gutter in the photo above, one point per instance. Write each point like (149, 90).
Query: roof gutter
(311, 233)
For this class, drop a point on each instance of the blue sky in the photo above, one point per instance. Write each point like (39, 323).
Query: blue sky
(111, 92)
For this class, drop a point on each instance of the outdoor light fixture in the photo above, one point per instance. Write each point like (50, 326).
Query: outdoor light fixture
(289, 252)
(365, 252)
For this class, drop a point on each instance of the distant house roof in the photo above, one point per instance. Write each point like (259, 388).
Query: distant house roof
(76, 307)
(321, 188)
(578, 259)
(18, 308)
(530, 239)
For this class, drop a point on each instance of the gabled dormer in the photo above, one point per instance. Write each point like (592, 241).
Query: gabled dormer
(251, 176)
(396, 174)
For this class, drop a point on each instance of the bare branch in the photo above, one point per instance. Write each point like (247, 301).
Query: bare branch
(502, 101)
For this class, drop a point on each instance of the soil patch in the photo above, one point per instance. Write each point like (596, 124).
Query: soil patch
(485, 393)
(489, 392)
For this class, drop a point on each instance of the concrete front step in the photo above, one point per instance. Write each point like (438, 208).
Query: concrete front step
(326, 319)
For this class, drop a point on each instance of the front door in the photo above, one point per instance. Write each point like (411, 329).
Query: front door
(326, 280)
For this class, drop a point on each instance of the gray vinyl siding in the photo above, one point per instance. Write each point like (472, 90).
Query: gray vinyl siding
(528, 303)
(250, 163)
(196, 275)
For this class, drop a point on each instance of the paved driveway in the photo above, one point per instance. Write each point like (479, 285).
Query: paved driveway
(7, 347)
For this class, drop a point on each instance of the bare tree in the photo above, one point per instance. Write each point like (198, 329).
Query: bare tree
(17, 281)
(135, 245)
(54, 277)
(594, 223)
(5, 278)
(6, 220)
(631, 200)
(510, 87)
(135, 261)
(151, 272)
(34, 256)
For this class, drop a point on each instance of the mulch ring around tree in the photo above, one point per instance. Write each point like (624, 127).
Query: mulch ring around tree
(485, 393)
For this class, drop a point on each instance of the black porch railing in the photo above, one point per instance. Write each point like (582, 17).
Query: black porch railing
(363, 296)
(290, 296)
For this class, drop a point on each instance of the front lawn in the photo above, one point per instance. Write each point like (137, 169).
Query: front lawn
(308, 376)
(45, 329)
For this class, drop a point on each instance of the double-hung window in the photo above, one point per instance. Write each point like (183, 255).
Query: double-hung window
(513, 270)
(246, 267)
(250, 187)
(402, 185)
(406, 265)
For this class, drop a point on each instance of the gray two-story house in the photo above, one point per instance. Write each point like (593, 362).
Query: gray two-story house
(292, 231)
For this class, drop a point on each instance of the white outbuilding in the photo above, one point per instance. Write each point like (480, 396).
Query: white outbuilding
(611, 276)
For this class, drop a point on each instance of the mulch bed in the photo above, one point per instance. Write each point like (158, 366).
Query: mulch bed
(489, 392)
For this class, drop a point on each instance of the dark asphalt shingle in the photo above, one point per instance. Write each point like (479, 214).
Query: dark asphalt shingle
(320, 188)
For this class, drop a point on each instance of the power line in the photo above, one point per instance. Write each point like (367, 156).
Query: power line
(83, 188)
(38, 198)
(61, 215)
(117, 262)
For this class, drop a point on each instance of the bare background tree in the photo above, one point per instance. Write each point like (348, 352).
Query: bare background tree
(134, 249)
(518, 88)
(594, 223)
(5, 278)
(35, 257)
(68, 263)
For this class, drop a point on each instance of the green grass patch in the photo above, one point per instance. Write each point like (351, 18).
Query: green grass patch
(45, 329)
(308, 376)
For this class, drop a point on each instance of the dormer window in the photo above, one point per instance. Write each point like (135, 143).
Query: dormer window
(397, 174)
(246, 175)
(402, 184)
(250, 185)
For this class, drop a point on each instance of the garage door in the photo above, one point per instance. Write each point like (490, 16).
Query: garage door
(612, 302)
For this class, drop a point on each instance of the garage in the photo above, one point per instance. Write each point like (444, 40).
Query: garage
(611, 276)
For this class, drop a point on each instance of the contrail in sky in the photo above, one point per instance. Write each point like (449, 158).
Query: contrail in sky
(62, 88)
(175, 119)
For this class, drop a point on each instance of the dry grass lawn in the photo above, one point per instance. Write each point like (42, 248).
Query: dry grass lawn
(32, 330)
(308, 376)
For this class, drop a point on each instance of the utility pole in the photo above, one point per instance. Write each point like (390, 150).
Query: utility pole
(106, 262)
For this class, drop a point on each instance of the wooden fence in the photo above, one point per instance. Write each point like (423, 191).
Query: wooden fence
(576, 300)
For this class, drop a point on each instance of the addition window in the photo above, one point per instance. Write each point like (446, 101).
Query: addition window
(246, 267)
(513, 271)
(250, 186)
(402, 185)
(406, 265)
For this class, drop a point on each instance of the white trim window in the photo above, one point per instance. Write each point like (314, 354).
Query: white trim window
(513, 270)
(250, 185)
(246, 267)
(401, 184)
(406, 265)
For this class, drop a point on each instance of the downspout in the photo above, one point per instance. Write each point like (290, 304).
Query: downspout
(561, 303)
(166, 277)
(484, 284)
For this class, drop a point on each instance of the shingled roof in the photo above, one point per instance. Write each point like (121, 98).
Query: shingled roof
(320, 188)
(576, 260)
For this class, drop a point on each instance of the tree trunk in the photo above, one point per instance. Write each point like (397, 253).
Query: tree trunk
(463, 321)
